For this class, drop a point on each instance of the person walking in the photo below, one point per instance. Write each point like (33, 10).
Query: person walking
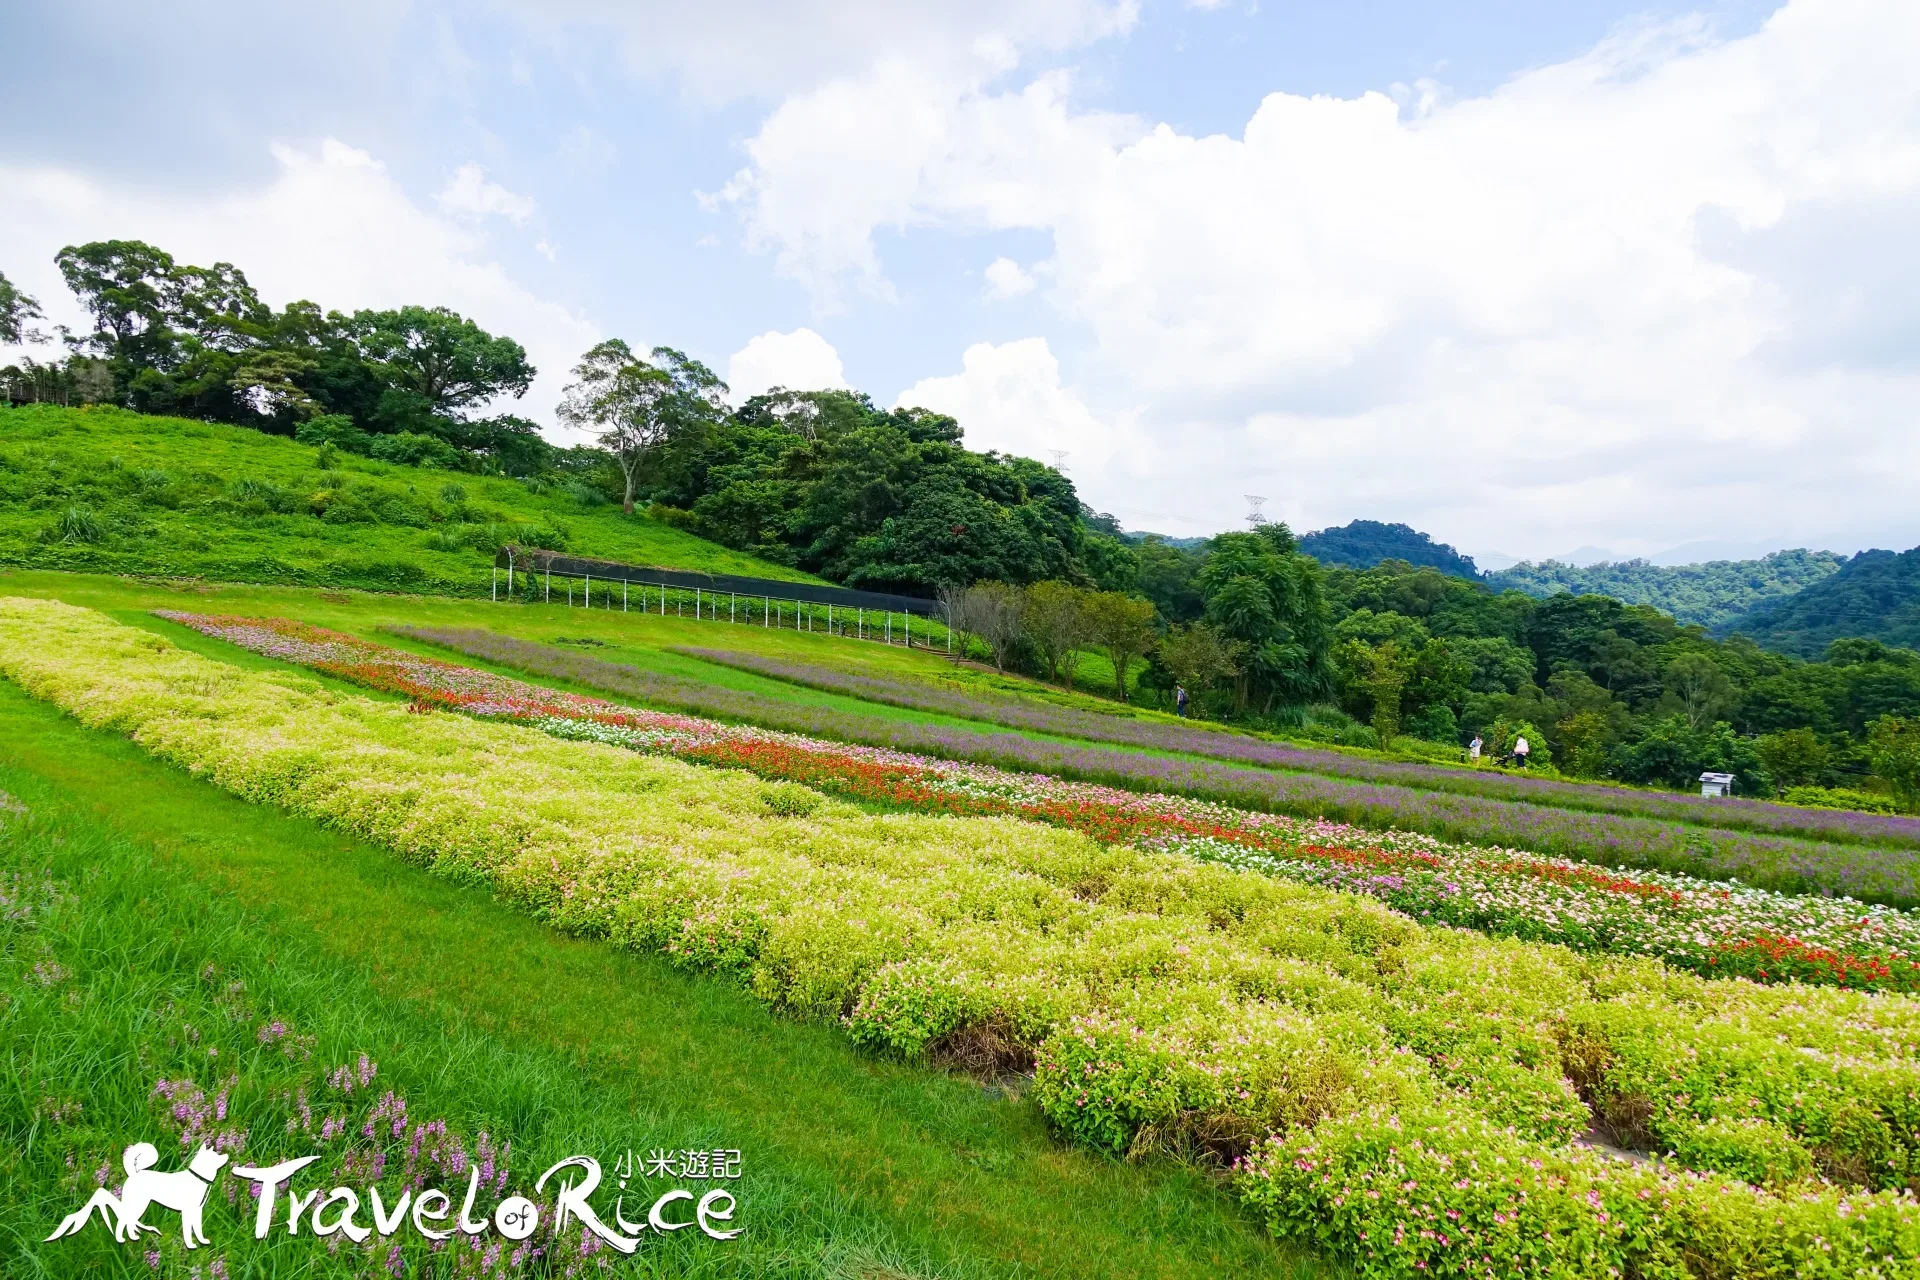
(1180, 699)
(1520, 750)
(1473, 750)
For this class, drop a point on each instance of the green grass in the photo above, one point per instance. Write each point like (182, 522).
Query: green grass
(101, 489)
(180, 907)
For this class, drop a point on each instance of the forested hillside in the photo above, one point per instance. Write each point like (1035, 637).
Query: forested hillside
(820, 482)
(1875, 594)
(1711, 595)
(1361, 544)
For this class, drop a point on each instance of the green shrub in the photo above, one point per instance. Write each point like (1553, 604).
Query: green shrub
(1840, 798)
(789, 800)
(336, 430)
(77, 524)
(409, 448)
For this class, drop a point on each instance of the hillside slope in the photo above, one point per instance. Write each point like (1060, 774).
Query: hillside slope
(1712, 595)
(1362, 544)
(1876, 594)
(104, 490)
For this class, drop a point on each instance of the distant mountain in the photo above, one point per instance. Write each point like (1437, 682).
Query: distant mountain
(1713, 595)
(1876, 594)
(1365, 543)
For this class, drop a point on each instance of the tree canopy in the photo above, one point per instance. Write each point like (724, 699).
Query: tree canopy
(1714, 595)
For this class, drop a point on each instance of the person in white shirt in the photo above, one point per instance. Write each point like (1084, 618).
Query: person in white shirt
(1473, 749)
(1520, 749)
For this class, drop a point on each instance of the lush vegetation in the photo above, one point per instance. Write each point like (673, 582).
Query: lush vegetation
(1362, 544)
(1713, 595)
(1876, 595)
(103, 489)
(1611, 690)
(820, 481)
(1407, 1095)
(881, 499)
(166, 933)
(1710, 927)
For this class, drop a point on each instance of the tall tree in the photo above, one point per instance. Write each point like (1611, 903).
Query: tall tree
(447, 360)
(18, 311)
(1056, 619)
(1261, 592)
(634, 406)
(1122, 626)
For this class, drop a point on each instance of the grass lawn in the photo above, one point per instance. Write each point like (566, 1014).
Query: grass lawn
(185, 919)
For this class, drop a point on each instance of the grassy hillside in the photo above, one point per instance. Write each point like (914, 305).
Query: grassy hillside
(1711, 595)
(103, 490)
(1876, 594)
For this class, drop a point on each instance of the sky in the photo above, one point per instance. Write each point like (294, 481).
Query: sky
(1528, 277)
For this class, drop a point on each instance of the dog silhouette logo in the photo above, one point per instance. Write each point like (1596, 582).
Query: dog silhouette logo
(184, 1191)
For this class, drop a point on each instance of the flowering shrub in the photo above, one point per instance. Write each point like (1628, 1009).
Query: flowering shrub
(1712, 928)
(1188, 1003)
(1857, 857)
(1872, 820)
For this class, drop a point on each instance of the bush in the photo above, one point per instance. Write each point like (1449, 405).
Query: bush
(77, 524)
(335, 429)
(408, 448)
(1840, 798)
(1359, 735)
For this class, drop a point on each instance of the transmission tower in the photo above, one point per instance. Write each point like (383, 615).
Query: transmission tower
(1255, 517)
(1059, 460)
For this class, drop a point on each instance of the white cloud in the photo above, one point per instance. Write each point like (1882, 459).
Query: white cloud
(799, 361)
(332, 226)
(469, 194)
(546, 250)
(1576, 309)
(723, 50)
(1010, 398)
(1007, 279)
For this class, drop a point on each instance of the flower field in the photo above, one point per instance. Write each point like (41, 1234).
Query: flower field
(1120, 727)
(1405, 1096)
(1785, 863)
(1712, 928)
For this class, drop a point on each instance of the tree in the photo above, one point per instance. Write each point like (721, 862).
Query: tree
(1122, 625)
(1056, 619)
(1199, 656)
(128, 286)
(1894, 744)
(1261, 593)
(634, 406)
(450, 362)
(1794, 757)
(1704, 692)
(18, 311)
(991, 611)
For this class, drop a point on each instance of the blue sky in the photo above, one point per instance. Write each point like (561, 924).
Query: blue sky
(1527, 276)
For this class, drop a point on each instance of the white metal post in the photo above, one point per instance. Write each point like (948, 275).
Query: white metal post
(589, 591)
(547, 593)
(496, 584)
